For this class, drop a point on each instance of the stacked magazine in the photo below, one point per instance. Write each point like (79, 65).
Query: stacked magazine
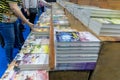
(59, 19)
(76, 50)
(36, 43)
(43, 24)
(30, 61)
(14, 73)
(35, 52)
(105, 26)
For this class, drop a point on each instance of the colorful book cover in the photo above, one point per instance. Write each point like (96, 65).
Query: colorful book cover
(27, 75)
(43, 30)
(34, 75)
(115, 20)
(40, 49)
(87, 37)
(67, 37)
(34, 59)
(102, 20)
(60, 22)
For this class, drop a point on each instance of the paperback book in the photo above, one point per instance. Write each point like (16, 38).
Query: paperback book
(76, 39)
(105, 26)
(34, 62)
(27, 75)
(76, 66)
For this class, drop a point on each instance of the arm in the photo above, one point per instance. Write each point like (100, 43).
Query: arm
(14, 7)
(46, 3)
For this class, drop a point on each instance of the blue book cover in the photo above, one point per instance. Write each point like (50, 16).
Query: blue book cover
(67, 37)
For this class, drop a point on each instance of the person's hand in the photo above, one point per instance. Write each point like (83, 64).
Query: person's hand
(31, 25)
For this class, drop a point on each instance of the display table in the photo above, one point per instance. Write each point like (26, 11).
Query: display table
(107, 68)
(67, 74)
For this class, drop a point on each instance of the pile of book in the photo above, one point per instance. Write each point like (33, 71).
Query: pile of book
(103, 22)
(76, 50)
(87, 13)
(105, 26)
(36, 43)
(14, 73)
(43, 24)
(59, 19)
(35, 61)
(35, 52)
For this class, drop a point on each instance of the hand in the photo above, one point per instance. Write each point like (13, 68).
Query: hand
(31, 25)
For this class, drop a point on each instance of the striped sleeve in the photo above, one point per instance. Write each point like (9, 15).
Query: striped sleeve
(11, 0)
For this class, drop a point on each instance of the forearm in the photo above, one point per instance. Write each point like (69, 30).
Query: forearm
(46, 3)
(18, 12)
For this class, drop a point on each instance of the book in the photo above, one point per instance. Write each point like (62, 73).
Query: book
(63, 37)
(34, 61)
(35, 43)
(88, 37)
(78, 48)
(76, 66)
(27, 75)
(76, 61)
(77, 56)
(78, 52)
(76, 39)
(59, 17)
(105, 13)
(37, 40)
(105, 26)
(40, 49)
(115, 20)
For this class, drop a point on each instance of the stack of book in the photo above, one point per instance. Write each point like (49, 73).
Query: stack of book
(55, 7)
(100, 12)
(59, 19)
(85, 14)
(105, 26)
(33, 61)
(35, 52)
(36, 43)
(76, 50)
(43, 24)
(63, 22)
(14, 73)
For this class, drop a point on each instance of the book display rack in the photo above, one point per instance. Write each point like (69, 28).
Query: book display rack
(66, 48)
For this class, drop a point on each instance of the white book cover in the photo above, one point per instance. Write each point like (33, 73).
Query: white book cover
(34, 75)
(27, 75)
(99, 24)
(34, 59)
(88, 37)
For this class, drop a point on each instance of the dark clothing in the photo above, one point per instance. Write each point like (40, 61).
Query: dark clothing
(42, 8)
(32, 17)
(19, 39)
(24, 13)
(2, 43)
